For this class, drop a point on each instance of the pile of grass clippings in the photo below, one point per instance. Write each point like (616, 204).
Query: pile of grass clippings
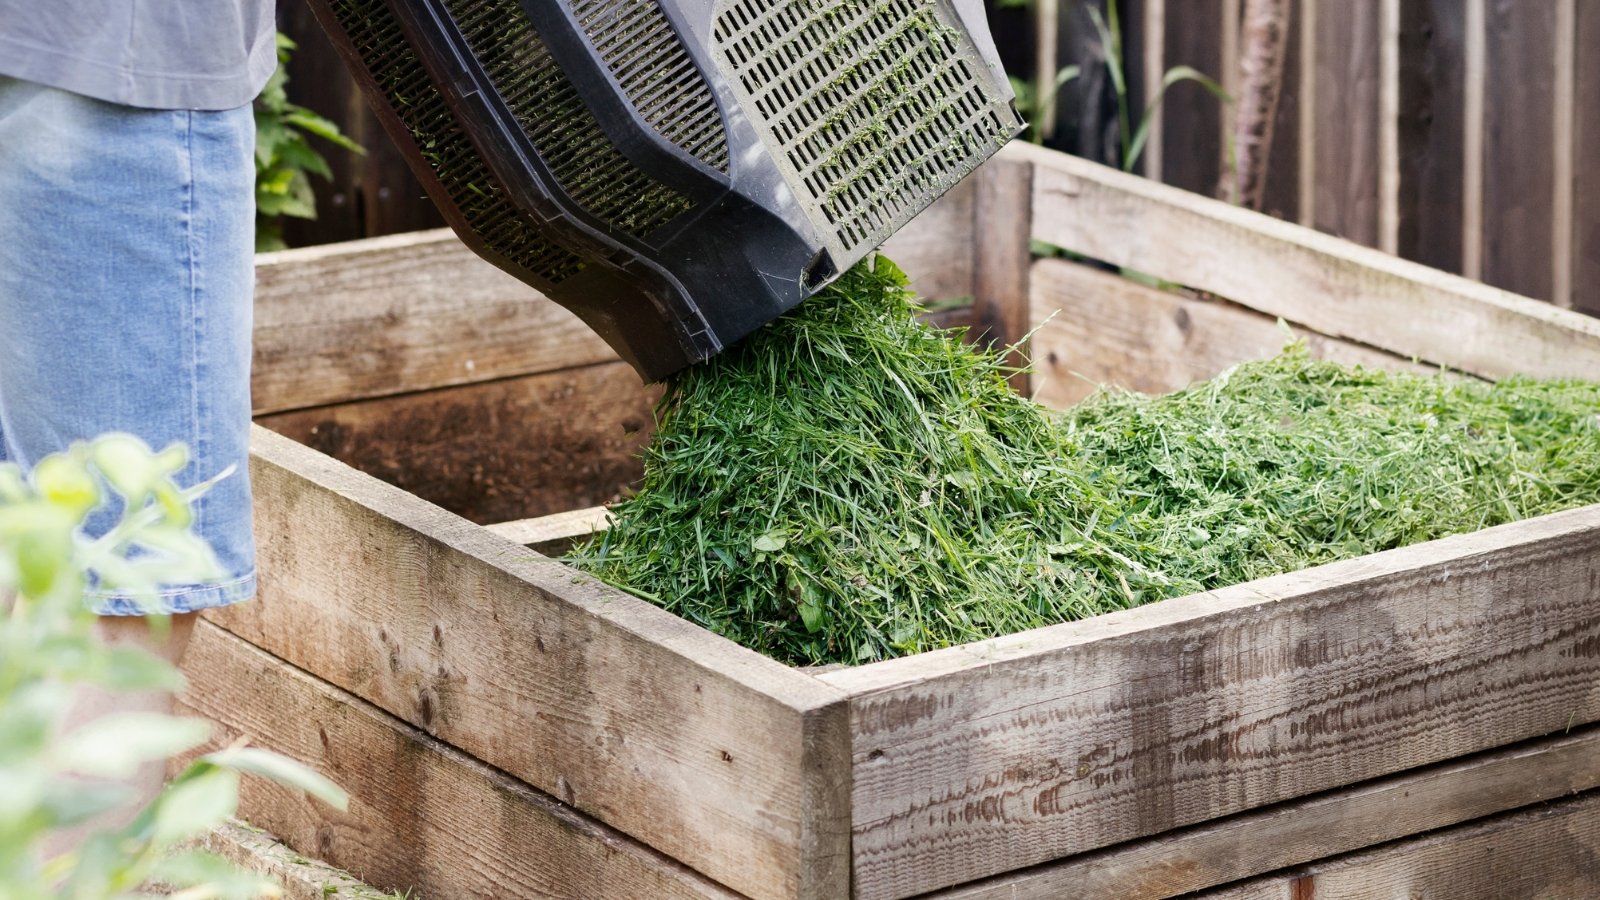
(850, 484)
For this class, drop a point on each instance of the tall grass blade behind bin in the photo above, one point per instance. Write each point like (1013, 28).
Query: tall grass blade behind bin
(679, 172)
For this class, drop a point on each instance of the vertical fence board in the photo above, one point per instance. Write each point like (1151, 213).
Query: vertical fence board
(1282, 195)
(1135, 31)
(1347, 133)
(1518, 195)
(1586, 158)
(1191, 131)
(1432, 123)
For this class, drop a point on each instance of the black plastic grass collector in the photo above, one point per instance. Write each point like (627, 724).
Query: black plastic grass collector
(679, 172)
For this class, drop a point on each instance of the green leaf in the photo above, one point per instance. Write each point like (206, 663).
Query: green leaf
(115, 745)
(194, 805)
(136, 669)
(127, 463)
(68, 803)
(771, 542)
(1174, 75)
(64, 480)
(284, 771)
(193, 868)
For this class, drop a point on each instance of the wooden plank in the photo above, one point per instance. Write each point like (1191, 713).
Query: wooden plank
(499, 450)
(1586, 149)
(1003, 222)
(1518, 198)
(1006, 753)
(934, 249)
(1547, 852)
(1432, 111)
(557, 528)
(719, 757)
(1099, 328)
(1281, 196)
(1290, 834)
(422, 816)
(1326, 284)
(1347, 66)
(301, 878)
(391, 315)
(1191, 128)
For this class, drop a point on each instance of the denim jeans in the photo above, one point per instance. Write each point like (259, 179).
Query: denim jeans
(126, 273)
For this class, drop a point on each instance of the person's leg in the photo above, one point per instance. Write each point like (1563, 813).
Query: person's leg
(126, 268)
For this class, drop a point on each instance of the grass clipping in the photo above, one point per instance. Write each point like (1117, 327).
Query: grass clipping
(850, 484)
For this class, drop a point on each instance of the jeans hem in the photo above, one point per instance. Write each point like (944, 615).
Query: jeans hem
(188, 599)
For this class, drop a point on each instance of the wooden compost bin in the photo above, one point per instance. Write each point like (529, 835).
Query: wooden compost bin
(1419, 720)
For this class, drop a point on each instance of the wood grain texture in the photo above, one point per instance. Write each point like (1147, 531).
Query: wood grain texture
(300, 877)
(1331, 286)
(1289, 834)
(1432, 131)
(1003, 222)
(1011, 752)
(1519, 108)
(1347, 150)
(935, 248)
(1191, 127)
(713, 754)
(1281, 198)
(499, 450)
(1547, 852)
(422, 815)
(1098, 328)
(1585, 151)
(391, 315)
(556, 529)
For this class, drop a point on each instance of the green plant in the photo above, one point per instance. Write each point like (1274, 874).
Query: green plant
(1034, 99)
(53, 779)
(285, 159)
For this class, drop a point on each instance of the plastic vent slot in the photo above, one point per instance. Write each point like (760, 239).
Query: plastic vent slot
(655, 71)
(563, 130)
(376, 36)
(873, 106)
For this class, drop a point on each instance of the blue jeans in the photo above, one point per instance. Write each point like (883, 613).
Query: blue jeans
(126, 272)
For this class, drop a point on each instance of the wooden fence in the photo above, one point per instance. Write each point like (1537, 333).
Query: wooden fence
(1464, 134)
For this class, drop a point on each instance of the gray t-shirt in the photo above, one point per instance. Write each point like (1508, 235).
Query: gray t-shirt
(159, 54)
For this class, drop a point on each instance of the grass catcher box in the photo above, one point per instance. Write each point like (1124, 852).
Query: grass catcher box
(1422, 719)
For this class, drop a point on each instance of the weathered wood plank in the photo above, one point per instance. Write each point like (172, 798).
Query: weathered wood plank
(1098, 328)
(1281, 197)
(1192, 119)
(1585, 150)
(1432, 131)
(557, 528)
(1003, 222)
(422, 815)
(1519, 111)
(1324, 283)
(1297, 832)
(1006, 753)
(723, 759)
(1547, 852)
(1347, 148)
(498, 450)
(935, 248)
(300, 878)
(405, 313)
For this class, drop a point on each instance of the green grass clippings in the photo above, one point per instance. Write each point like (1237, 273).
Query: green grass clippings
(850, 484)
